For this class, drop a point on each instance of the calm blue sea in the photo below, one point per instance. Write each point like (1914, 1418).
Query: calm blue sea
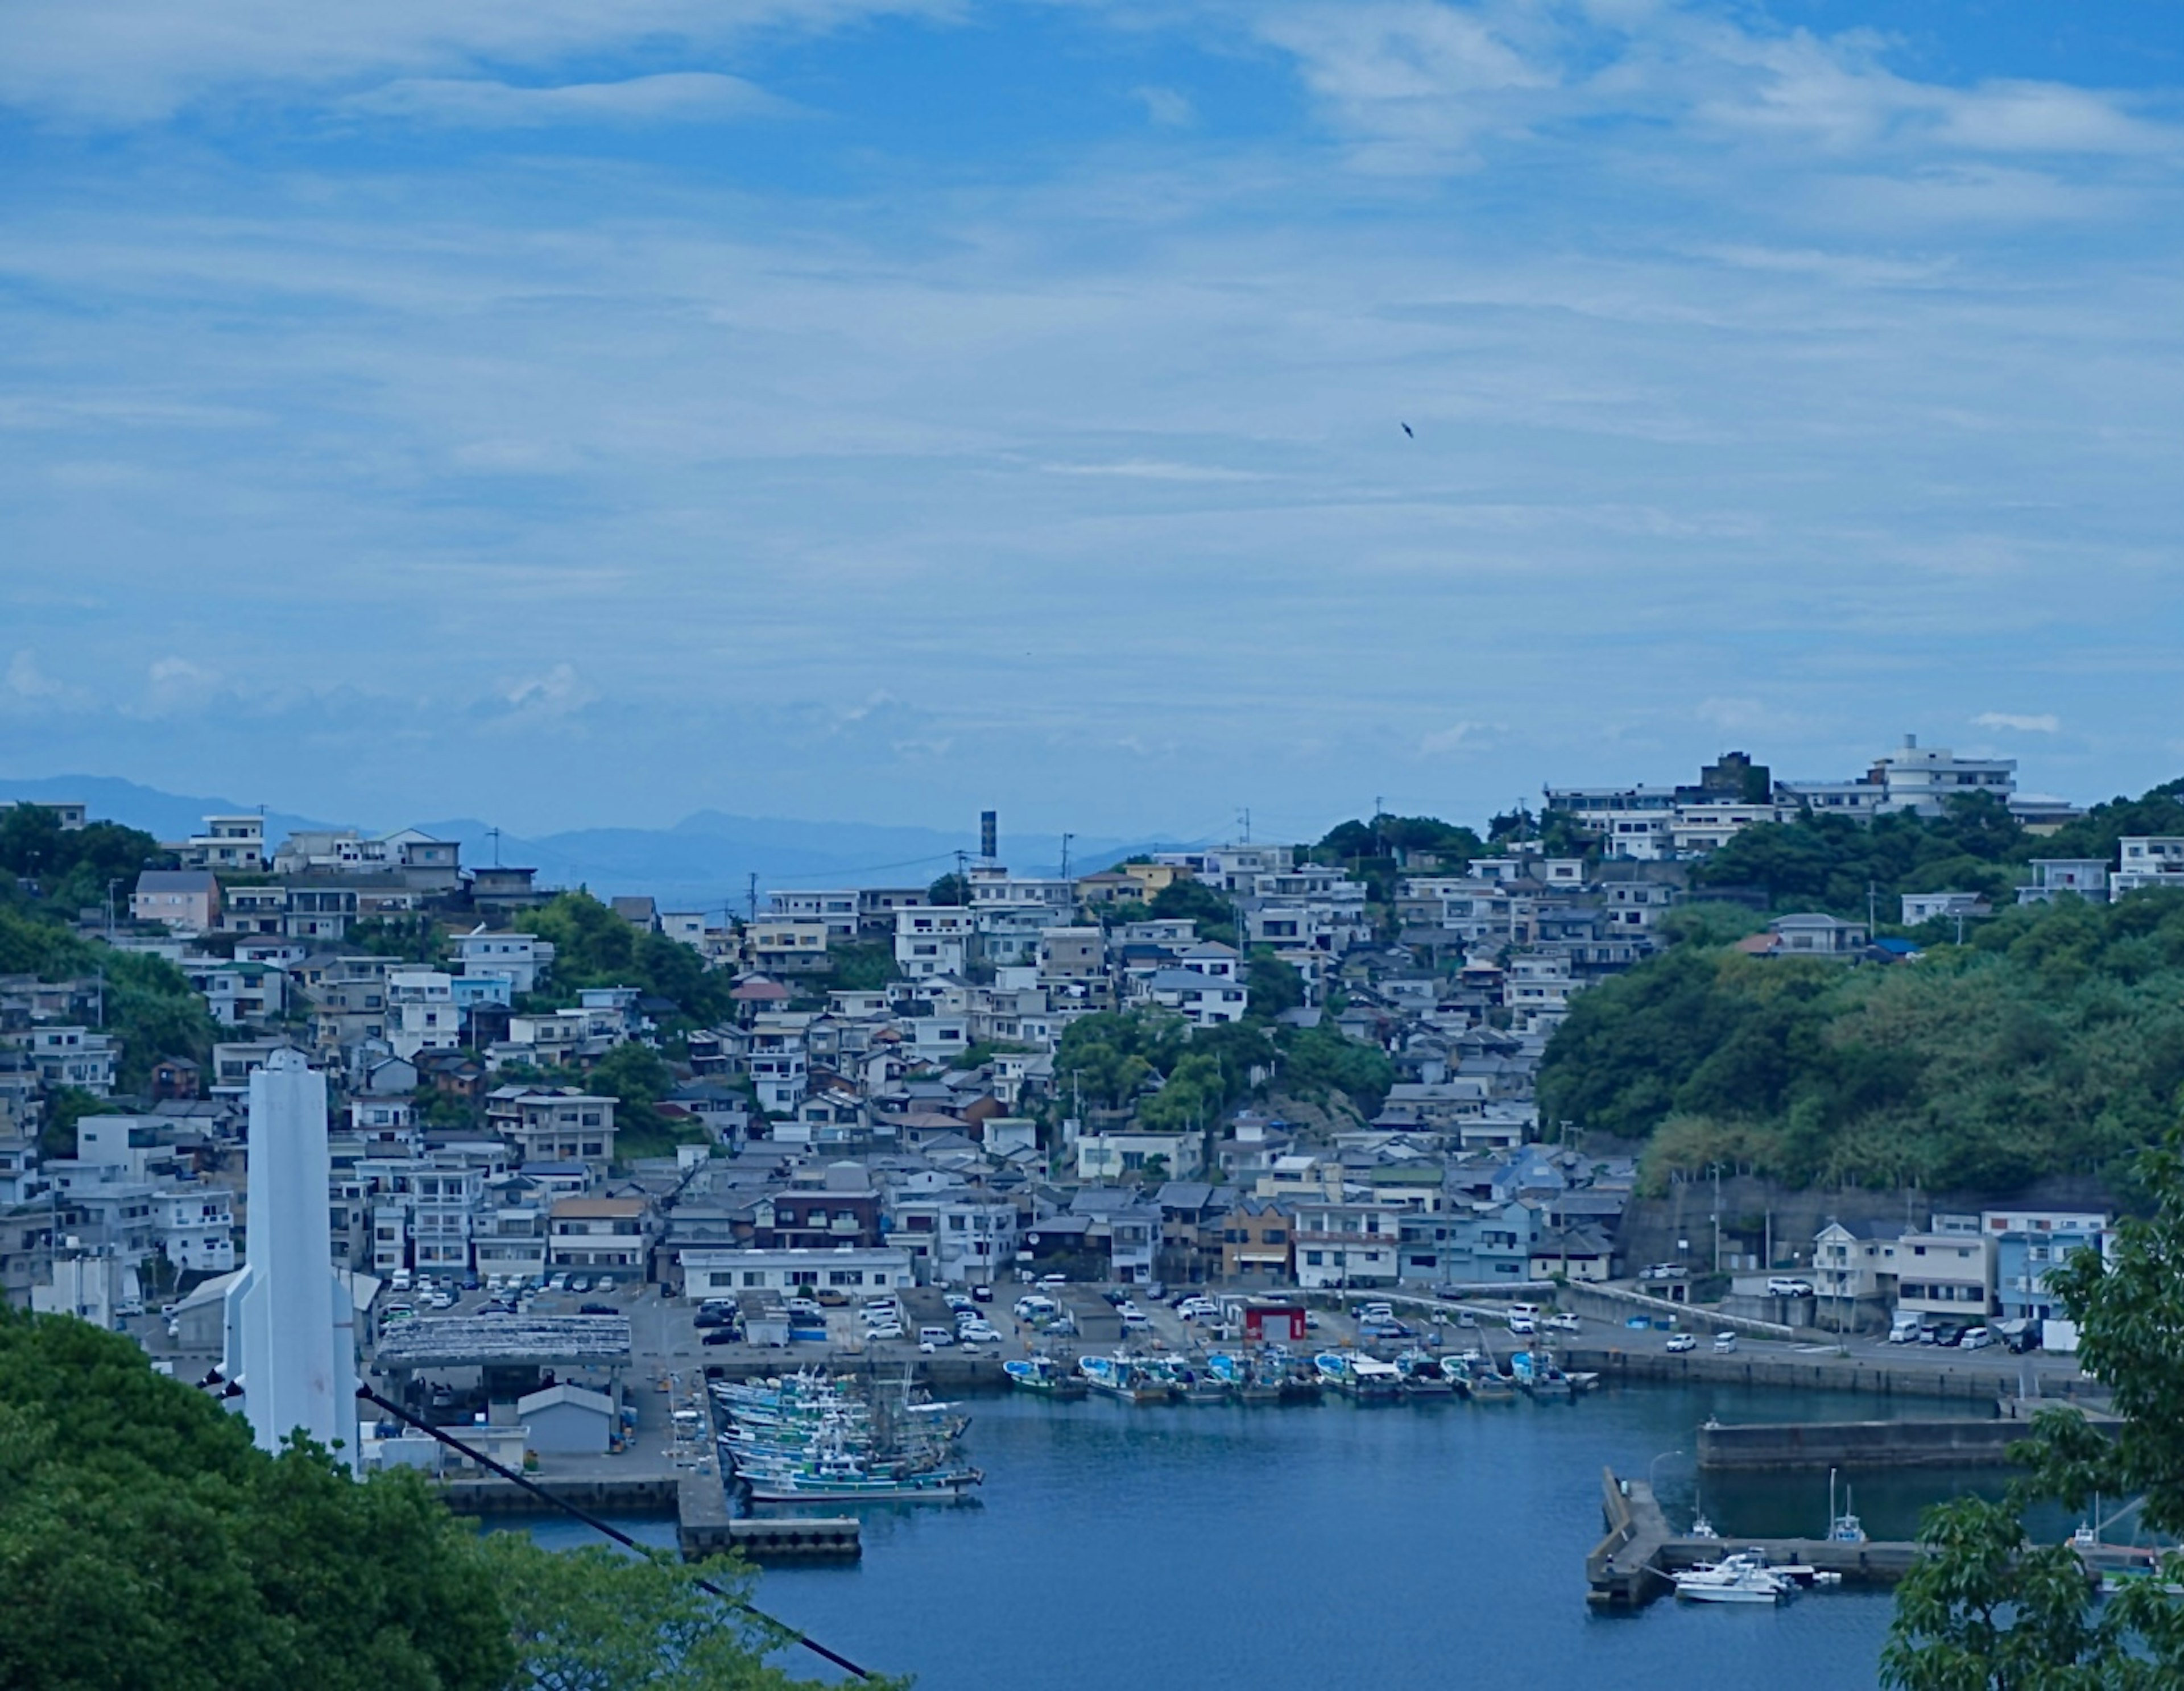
(1302, 1549)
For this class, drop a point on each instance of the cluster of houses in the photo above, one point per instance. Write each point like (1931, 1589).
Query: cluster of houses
(1958, 1271)
(919, 1127)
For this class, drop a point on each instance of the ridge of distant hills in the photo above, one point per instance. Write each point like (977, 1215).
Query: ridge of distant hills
(703, 863)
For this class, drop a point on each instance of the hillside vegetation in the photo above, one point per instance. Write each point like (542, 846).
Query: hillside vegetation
(2053, 1041)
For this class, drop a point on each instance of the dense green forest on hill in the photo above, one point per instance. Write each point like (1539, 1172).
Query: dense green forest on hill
(2051, 1042)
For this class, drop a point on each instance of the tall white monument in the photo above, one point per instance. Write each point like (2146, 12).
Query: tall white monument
(291, 1323)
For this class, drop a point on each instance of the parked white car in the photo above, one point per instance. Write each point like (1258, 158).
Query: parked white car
(1680, 1342)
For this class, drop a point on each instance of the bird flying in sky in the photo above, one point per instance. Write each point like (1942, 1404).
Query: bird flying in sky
(1406, 430)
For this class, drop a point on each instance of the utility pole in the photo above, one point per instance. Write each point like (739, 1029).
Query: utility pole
(1717, 1218)
(750, 896)
(1245, 817)
(493, 834)
(1065, 839)
(1872, 897)
(111, 885)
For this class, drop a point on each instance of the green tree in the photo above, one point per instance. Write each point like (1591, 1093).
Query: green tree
(951, 889)
(1320, 1061)
(75, 869)
(419, 939)
(1210, 912)
(1987, 1609)
(144, 1540)
(592, 1620)
(66, 1106)
(1275, 986)
(592, 947)
(1109, 1056)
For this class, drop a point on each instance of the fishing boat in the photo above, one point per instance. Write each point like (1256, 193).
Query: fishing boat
(1741, 1576)
(1186, 1384)
(843, 1480)
(1535, 1372)
(1845, 1528)
(1366, 1378)
(1422, 1375)
(1123, 1376)
(1248, 1380)
(1486, 1383)
(1044, 1375)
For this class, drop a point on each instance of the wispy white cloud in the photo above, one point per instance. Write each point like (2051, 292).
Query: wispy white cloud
(1155, 470)
(136, 61)
(674, 96)
(2045, 723)
(27, 680)
(1166, 108)
(1456, 737)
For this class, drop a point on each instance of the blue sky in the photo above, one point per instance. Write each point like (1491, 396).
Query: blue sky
(572, 413)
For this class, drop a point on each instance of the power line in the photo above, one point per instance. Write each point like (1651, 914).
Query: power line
(596, 1525)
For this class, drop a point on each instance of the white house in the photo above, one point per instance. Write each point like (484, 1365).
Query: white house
(934, 939)
(1924, 779)
(524, 958)
(710, 1272)
(2147, 861)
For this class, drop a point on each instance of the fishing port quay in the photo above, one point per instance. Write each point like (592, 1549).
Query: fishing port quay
(770, 1445)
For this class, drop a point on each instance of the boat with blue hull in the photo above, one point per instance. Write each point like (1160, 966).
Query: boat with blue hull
(1365, 1378)
(1126, 1377)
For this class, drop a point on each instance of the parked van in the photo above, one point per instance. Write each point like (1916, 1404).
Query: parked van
(937, 1337)
(1904, 1329)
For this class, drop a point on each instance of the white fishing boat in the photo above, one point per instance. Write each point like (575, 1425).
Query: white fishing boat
(1741, 1576)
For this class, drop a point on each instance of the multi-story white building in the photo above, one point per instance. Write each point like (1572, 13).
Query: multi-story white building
(597, 1233)
(195, 1225)
(955, 1239)
(420, 1011)
(1947, 1275)
(933, 941)
(524, 958)
(73, 1057)
(235, 844)
(2085, 877)
(1924, 779)
(546, 1124)
(1340, 1244)
(839, 911)
(2147, 861)
(708, 1272)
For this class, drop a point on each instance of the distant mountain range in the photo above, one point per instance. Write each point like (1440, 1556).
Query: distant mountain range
(705, 862)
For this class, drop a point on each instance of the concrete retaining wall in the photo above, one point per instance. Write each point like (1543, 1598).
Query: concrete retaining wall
(1953, 1443)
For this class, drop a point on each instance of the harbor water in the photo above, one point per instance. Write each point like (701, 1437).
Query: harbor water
(1279, 1549)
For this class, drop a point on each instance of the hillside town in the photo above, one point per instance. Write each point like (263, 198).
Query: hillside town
(935, 1122)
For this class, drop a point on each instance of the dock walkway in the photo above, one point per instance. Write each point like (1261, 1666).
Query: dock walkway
(1629, 1567)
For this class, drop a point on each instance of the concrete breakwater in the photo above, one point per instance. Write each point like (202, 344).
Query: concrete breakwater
(1631, 1565)
(1957, 1442)
(1825, 1372)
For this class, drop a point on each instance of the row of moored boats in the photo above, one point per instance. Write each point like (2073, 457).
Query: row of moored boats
(1272, 1374)
(808, 1439)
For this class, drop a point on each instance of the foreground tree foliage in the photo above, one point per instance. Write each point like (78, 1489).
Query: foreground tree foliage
(145, 1541)
(1986, 1610)
(2052, 1041)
